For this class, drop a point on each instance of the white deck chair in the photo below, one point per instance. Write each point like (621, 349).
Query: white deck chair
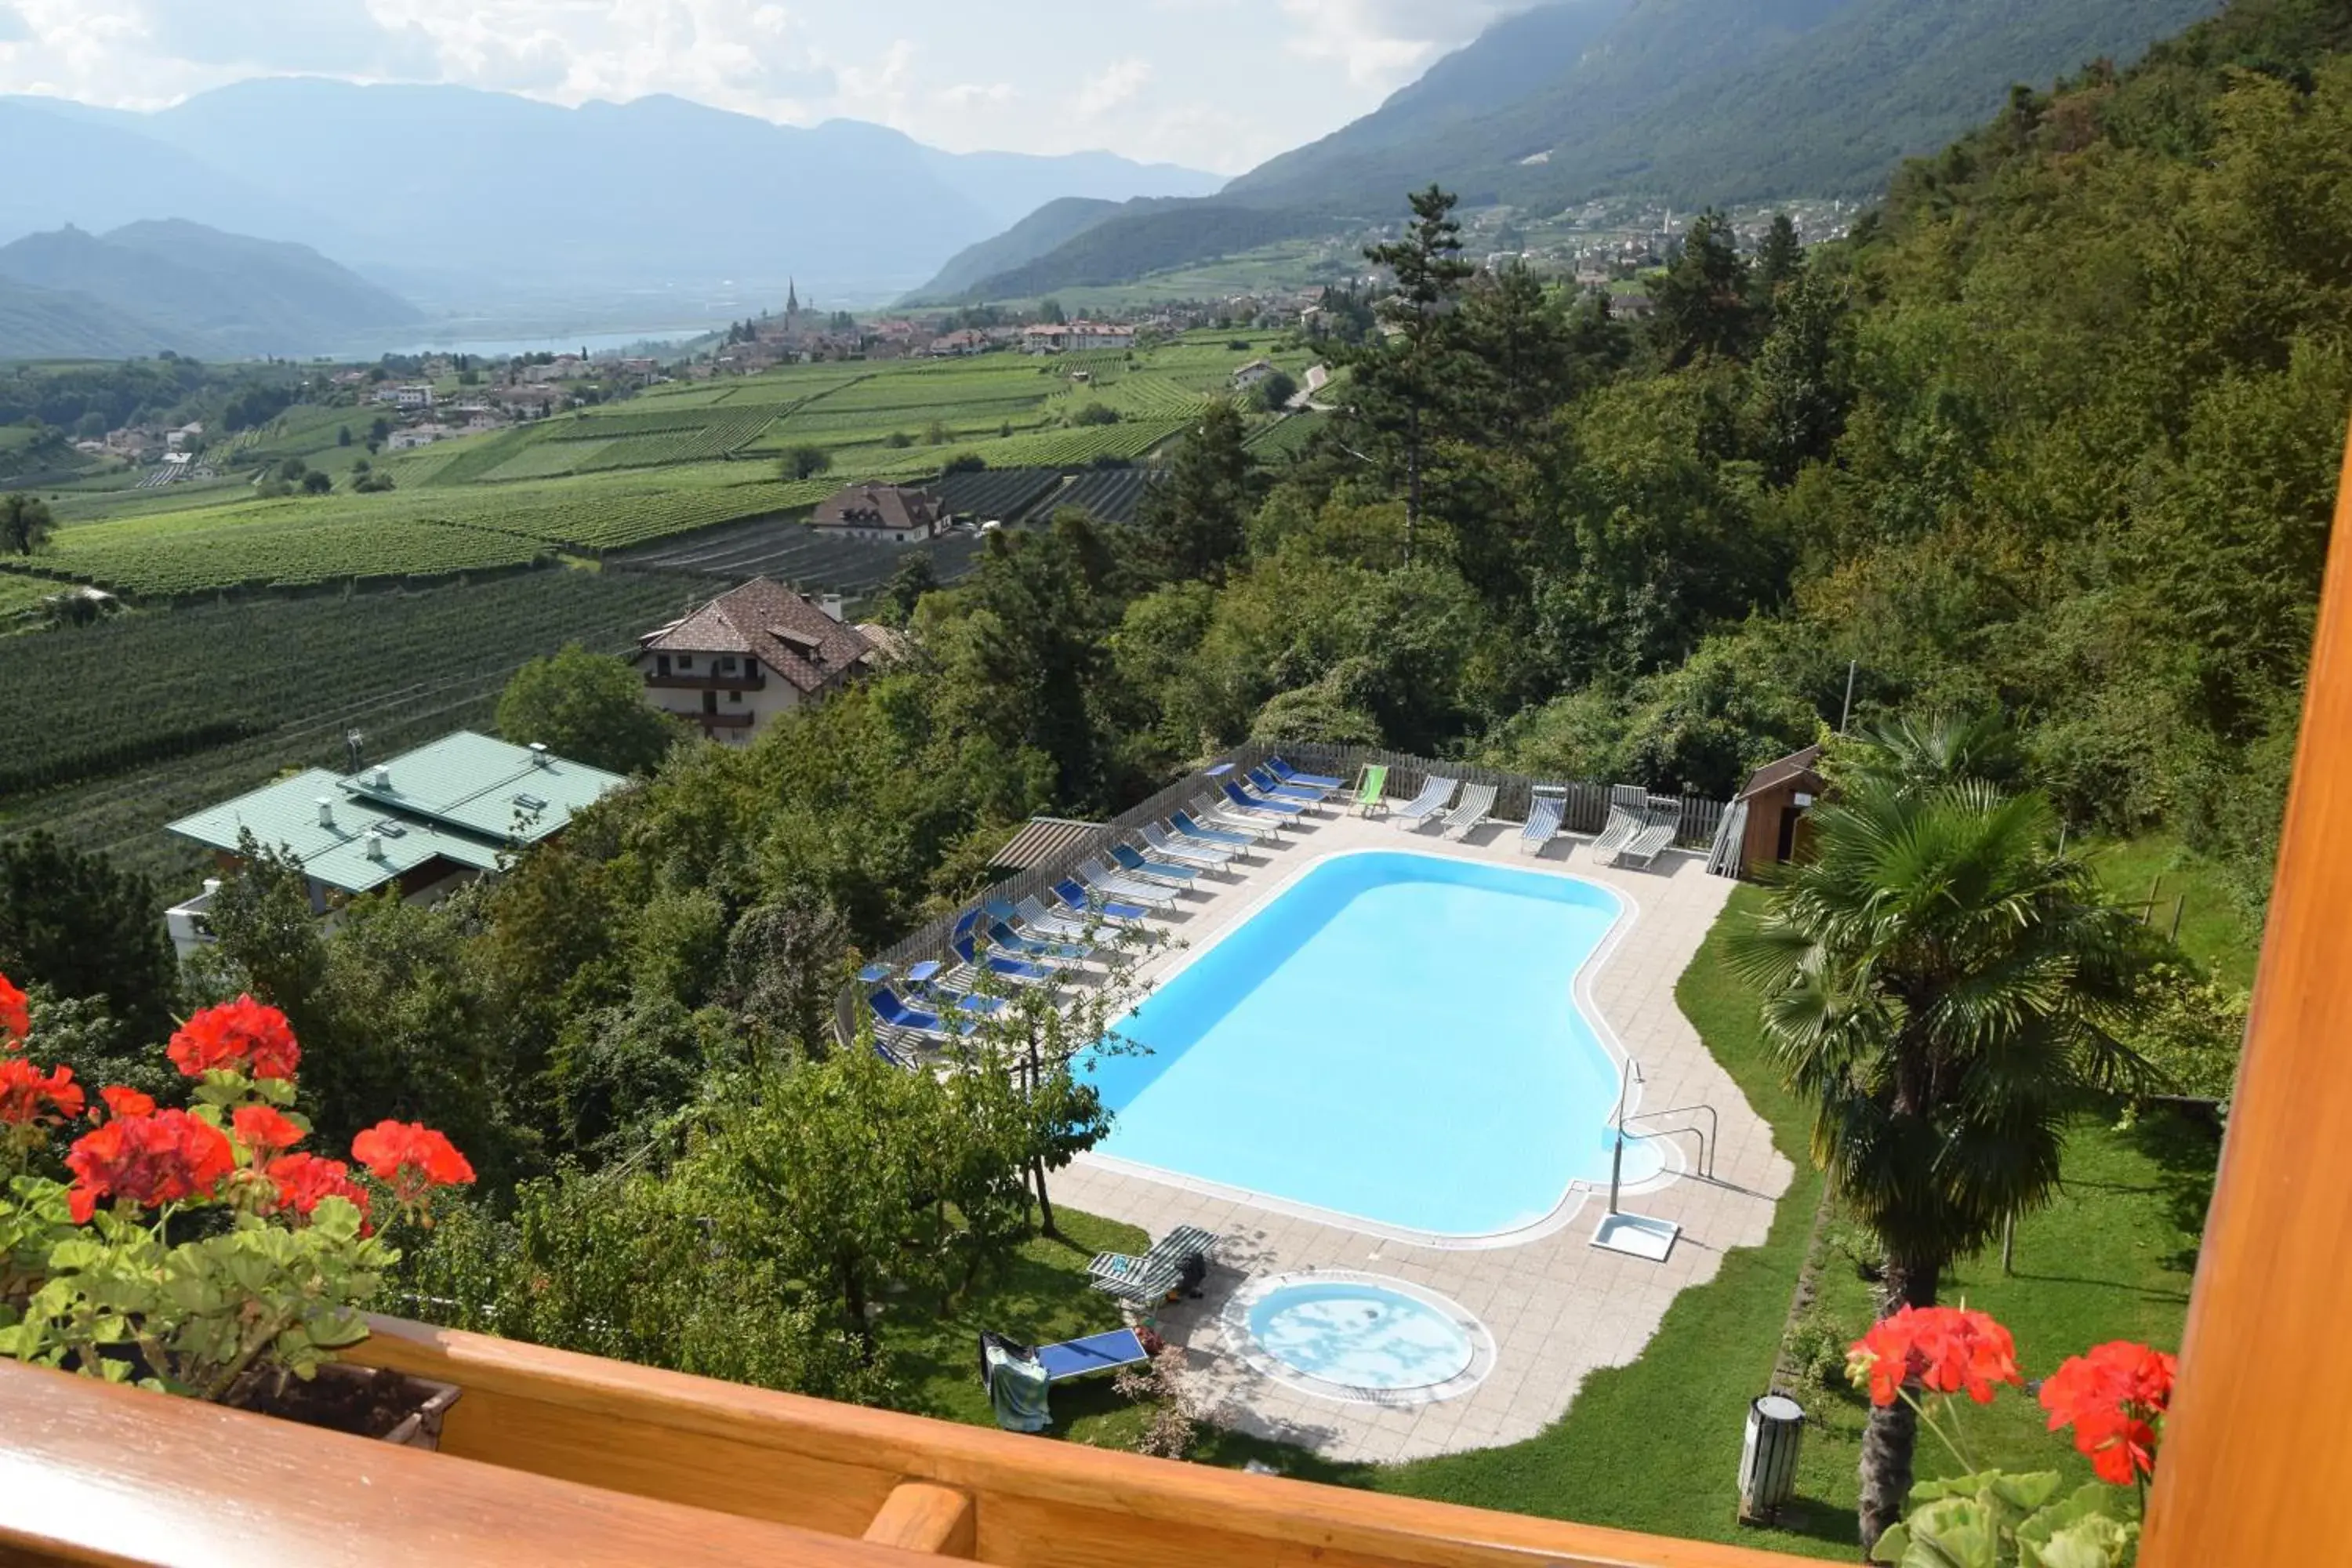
(1657, 834)
(1477, 803)
(1433, 798)
(1546, 807)
(1621, 829)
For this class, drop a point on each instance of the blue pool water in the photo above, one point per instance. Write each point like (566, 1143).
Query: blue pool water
(1359, 1334)
(1395, 1037)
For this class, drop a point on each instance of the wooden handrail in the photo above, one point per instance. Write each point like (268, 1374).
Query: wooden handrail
(92, 1473)
(2258, 1452)
(834, 1466)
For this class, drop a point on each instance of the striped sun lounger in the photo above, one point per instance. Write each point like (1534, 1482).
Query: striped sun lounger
(1150, 1278)
(1203, 856)
(1477, 802)
(1433, 798)
(1629, 812)
(1657, 834)
(1544, 814)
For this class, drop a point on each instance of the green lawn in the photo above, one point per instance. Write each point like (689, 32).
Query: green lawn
(1654, 1445)
(2215, 929)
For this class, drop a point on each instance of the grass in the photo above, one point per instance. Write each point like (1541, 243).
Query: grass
(2215, 929)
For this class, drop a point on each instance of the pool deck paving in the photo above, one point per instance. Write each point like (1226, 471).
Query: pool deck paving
(1557, 1307)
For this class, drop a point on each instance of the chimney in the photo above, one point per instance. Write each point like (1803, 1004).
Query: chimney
(379, 778)
(539, 755)
(212, 886)
(375, 844)
(326, 811)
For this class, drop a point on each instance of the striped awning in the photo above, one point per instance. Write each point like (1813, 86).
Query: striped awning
(1041, 840)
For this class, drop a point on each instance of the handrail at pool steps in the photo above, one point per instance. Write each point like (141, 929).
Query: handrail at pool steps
(1585, 811)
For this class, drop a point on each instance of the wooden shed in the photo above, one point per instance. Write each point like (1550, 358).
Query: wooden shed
(1778, 796)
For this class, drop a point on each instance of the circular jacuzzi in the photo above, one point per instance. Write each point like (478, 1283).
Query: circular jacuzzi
(1359, 1337)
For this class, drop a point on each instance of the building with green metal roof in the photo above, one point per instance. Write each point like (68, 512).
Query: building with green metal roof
(423, 821)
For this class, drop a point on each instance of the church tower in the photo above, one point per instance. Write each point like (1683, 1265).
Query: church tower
(791, 310)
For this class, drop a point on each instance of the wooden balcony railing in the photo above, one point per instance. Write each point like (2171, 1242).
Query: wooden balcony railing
(555, 1457)
(755, 679)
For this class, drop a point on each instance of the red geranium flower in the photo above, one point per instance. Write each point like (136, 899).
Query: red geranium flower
(410, 1158)
(149, 1161)
(16, 1018)
(302, 1179)
(262, 1131)
(2113, 1396)
(124, 1101)
(29, 1097)
(243, 1035)
(1950, 1350)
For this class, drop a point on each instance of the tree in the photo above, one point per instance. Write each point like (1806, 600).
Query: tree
(73, 922)
(1400, 386)
(25, 522)
(1701, 305)
(342, 436)
(1274, 390)
(1943, 986)
(1800, 390)
(914, 577)
(1780, 262)
(1195, 521)
(317, 482)
(806, 462)
(587, 707)
(785, 961)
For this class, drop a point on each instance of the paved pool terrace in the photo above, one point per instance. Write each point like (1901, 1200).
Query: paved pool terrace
(1556, 1307)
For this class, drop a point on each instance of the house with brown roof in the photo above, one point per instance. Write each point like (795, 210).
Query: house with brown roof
(734, 664)
(896, 514)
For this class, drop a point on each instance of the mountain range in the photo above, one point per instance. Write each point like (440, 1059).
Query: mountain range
(445, 193)
(1690, 101)
(173, 284)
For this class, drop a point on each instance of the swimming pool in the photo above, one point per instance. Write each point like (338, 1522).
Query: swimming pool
(1394, 1037)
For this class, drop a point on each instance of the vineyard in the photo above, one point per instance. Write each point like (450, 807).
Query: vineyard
(130, 724)
(1107, 495)
(247, 544)
(797, 554)
(678, 466)
(1001, 494)
(1285, 436)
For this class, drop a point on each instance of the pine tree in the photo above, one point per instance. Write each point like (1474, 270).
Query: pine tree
(1403, 382)
(1194, 520)
(1701, 302)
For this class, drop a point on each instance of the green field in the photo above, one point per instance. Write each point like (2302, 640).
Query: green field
(665, 464)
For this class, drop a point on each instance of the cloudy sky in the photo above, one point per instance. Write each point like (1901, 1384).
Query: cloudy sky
(1217, 84)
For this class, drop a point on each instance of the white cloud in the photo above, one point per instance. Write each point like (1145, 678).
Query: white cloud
(1112, 86)
(1218, 84)
(1386, 43)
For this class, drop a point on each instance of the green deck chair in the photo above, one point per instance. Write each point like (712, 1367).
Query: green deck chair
(1371, 790)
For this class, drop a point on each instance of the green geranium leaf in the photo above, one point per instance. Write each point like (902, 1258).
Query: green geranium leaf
(2092, 1542)
(1950, 1533)
(2025, 1493)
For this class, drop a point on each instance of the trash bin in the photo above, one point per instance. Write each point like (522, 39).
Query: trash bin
(1768, 1459)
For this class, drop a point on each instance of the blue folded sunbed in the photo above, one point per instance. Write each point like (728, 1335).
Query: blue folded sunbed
(1265, 784)
(1247, 802)
(1289, 774)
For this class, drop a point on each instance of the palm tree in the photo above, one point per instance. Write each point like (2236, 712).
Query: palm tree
(1940, 984)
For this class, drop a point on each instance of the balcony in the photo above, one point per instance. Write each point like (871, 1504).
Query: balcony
(754, 679)
(721, 721)
(555, 1457)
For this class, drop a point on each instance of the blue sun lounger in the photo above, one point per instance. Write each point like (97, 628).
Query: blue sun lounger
(1084, 905)
(1273, 788)
(1012, 940)
(894, 1013)
(1247, 802)
(1291, 775)
(1017, 1375)
(1190, 826)
(968, 949)
(1133, 862)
